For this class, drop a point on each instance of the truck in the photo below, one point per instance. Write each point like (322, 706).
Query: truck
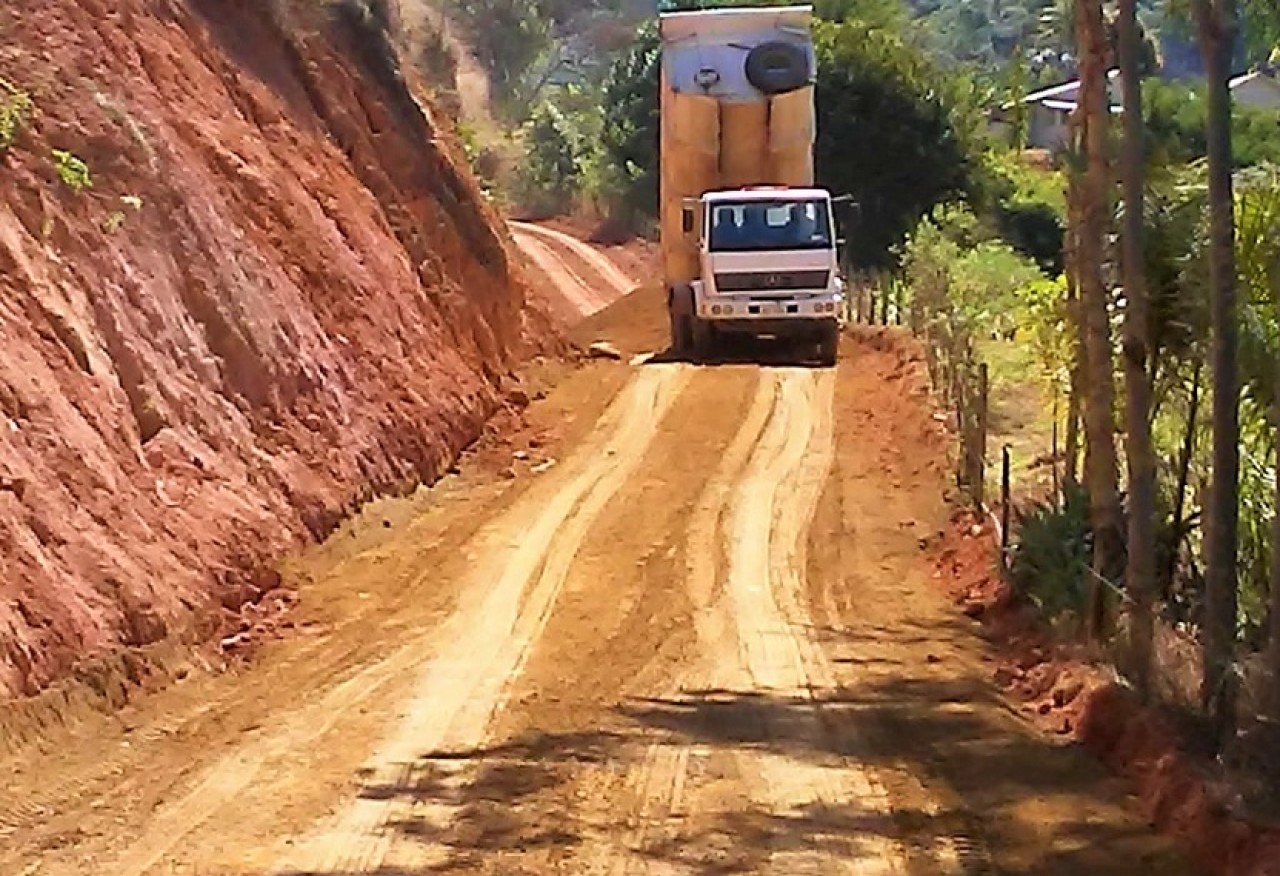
(748, 242)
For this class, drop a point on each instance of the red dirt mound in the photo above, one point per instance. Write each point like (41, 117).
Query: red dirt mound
(279, 295)
(1070, 696)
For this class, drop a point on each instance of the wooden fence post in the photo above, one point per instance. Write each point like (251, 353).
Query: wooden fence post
(963, 469)
(1005, 501)
(980, 451)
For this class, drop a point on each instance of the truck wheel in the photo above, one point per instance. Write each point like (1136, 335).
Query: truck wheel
(829, 345)
(704, 338)
(680, 311)
(681, 337)
(777, 67)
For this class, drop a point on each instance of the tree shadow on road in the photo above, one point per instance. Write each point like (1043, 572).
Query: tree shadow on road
(953, 763)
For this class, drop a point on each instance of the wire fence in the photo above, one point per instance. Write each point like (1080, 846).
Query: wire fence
(1250, 763)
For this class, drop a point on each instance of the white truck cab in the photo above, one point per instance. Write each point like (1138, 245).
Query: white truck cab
(769, 264)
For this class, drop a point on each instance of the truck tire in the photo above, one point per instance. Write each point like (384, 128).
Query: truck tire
(680, 311)
(829, 345)
(704, 338)
(681, 340)
(777, 67)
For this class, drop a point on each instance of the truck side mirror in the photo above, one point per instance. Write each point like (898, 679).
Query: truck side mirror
(686, 220)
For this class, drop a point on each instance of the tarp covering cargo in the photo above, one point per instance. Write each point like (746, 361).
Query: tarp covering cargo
(719, 128)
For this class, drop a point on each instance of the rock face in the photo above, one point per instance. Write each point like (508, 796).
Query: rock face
(280, 293)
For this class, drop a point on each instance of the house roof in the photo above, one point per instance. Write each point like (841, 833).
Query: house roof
(1066, 88)
(1069, 106)
(1062, 96)
(1263, 75)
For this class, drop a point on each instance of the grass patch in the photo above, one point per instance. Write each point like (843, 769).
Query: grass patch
(1021, 416)
(16, 109)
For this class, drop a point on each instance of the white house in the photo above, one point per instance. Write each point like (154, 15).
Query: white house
(1049, 111)
(1259, 89)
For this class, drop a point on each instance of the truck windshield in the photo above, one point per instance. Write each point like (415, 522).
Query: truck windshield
(759, 225)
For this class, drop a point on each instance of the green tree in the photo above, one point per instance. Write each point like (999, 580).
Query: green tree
(1216, 22)
(550, 177)
(886, 134)
(1140, 572)
(629, 143)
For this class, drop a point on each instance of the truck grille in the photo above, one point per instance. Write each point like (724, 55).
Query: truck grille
(765, 281)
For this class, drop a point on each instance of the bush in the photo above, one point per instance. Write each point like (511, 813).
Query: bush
(16, 108)
(73, 172)
(1027, 206)
(1035, 230)
(1052, 553)
(961, 275)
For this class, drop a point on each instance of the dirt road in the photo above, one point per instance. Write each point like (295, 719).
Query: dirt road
(680, 623)
(581, 281)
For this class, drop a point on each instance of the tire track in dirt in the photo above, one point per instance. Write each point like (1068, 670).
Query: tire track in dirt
(776, 656)
(485, 643)
(618, 440)
(579, 295)
(658, 783)
(748, 542)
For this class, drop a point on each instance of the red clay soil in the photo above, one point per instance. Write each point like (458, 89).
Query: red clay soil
(312, 304)
(1074, 698)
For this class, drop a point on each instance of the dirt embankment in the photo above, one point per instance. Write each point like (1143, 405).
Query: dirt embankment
(1068, 693)
(280, 294)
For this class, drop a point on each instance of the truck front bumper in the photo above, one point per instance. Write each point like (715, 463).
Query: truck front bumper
(726, 309)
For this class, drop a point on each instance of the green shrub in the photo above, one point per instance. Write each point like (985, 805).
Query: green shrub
(72, 170)
(1052, 552)
(16, 108)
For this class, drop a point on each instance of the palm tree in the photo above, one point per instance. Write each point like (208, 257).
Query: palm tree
(1216, 23)
(1140, 574)
(1258, 257)
(1101, 475)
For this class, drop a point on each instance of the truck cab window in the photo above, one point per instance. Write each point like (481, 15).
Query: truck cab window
(769, 225)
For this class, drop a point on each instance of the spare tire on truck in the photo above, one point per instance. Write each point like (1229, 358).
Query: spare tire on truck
(777, 67)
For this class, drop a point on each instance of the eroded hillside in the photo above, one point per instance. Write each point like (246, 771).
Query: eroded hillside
(268, 290)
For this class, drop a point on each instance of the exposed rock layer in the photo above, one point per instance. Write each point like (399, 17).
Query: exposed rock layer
(281, 293)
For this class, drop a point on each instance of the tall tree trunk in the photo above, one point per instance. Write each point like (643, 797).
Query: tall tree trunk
(1071, 262)
(1216, 23)
(1101, 470)
(1184, 475)
(1141, 570)
(1273, 644)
